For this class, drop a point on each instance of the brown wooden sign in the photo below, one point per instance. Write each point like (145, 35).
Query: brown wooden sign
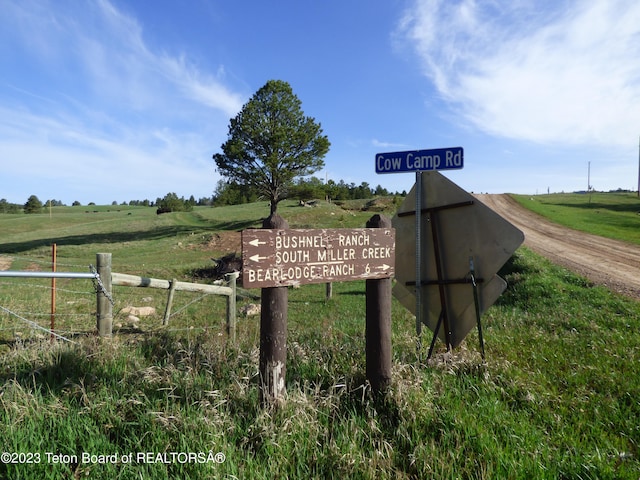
(278, 258)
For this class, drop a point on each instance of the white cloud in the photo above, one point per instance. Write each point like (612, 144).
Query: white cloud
(72, 162)
(564, 72)
(200, 87)
(107, 52)
(109, 108)
(124, 60)
(379, 144)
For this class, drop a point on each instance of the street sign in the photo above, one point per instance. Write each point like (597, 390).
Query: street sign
(420, 160)
(277, 258)
(466, 229)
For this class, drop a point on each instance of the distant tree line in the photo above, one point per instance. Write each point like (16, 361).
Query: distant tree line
(231, 193)
(226, 193)
(6, 207)
(169, 203)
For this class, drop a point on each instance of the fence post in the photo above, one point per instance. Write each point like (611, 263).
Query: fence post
(231, 306)
(104, 308)
(54, 267)
(273, 333)
(167, 310)
(378, 323)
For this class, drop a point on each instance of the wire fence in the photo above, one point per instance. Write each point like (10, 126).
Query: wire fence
(26, 304)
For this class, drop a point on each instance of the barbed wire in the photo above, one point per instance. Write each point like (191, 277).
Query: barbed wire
(184, 329)
(46, 261)
(99, 286)
(35, 325)
(57, 314)
(184, 307)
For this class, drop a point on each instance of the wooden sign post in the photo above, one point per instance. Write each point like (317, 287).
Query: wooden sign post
(276, 257)
(273, 333)
(378, 323)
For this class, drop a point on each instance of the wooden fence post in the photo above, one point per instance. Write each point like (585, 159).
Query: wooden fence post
(232, 278)
(378, 323)
(104, 308)
(273, 333)
(167, 311)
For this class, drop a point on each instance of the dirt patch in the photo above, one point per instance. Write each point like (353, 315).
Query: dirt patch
(223, 241)
(603, 261)
(5, 263)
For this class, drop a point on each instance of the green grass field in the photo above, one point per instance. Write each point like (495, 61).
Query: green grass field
(558, 397)
(613, 215)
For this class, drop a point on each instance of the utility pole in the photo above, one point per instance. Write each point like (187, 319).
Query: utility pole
(638, 166)
(589, 177)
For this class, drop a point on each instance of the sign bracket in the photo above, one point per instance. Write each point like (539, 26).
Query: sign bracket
(436, 209)
(471, 279)
(476, 302)
(444, 317)
(474, 285)
(419, 283)
(455, 281)
(441, 282)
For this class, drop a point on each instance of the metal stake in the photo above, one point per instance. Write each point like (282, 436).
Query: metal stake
(418, 264)
(477, 305)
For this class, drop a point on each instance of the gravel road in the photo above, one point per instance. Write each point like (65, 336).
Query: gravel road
(612, 263)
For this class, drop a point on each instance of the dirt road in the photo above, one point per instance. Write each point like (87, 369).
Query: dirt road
(603, 261)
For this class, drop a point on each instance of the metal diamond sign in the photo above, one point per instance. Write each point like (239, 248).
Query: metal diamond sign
(463, 230)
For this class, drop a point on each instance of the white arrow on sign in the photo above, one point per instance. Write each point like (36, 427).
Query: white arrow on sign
(257, 258)
(384, 267)
(255, 242)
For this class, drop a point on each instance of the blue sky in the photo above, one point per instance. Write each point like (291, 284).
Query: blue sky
(119, 100)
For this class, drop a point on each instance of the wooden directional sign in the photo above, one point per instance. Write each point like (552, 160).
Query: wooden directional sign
(277, 258)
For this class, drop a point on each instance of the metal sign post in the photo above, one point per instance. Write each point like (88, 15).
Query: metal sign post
(419, 161)
(418, 264)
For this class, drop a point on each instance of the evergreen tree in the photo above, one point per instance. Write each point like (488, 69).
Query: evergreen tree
(33, 205)
(271, 142)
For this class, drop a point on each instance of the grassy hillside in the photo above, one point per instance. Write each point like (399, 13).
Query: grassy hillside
(612, 215)
(140, 240)
(557, 398)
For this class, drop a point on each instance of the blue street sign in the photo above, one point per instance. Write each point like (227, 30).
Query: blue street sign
(420, 160)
